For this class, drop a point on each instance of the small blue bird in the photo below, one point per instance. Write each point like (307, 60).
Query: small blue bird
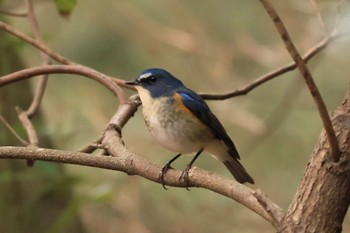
(182, 122)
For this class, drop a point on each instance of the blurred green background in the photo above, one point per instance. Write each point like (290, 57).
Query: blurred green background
(214, 47)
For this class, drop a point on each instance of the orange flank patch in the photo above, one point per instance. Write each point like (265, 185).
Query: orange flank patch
(179, 103)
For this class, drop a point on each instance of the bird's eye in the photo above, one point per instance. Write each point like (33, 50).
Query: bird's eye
(152, 79)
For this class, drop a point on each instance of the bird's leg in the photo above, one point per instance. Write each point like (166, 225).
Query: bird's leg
(166, 167)
(184, 174)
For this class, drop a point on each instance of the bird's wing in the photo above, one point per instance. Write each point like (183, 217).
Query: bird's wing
(200, 109)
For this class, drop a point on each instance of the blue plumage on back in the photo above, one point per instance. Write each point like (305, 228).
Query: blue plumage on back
(200, 109)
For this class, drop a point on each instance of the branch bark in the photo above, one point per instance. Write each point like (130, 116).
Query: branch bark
(323, 196)
(135, 165)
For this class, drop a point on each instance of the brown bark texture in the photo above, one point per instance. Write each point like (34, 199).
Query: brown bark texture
(323, 197)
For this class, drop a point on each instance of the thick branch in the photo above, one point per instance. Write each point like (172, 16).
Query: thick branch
(136, 165)
(322, 109)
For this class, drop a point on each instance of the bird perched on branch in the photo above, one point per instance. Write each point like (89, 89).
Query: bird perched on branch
(182, 122)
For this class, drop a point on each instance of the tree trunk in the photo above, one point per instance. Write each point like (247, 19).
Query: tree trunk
(323, 196)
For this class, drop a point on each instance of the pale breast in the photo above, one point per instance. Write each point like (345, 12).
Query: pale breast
(173, 129)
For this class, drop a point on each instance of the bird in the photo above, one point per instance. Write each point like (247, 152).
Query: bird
(181, 121)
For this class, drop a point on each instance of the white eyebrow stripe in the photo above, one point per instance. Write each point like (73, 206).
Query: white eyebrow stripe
(146, 75)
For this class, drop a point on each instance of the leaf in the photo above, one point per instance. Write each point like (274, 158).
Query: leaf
(65, 7)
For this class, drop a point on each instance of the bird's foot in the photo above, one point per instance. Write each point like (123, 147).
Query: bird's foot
(165, 169)
(184, 177)
(162, 173)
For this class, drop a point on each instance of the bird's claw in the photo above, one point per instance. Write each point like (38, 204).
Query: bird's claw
(184, 177)
(162, 173)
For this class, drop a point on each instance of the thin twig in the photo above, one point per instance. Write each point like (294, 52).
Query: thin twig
(28, 126)
(41, 85)
(13, 131)
(275, 73)
(38, 96)
(92, 146)
(30, 130)
(35, 43)
(322, 109)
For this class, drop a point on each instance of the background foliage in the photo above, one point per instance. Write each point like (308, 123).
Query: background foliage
(214, 47)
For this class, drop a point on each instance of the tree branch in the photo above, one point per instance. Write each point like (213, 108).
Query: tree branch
(65, 69)
(41, 86)
(275, 73)
(135, 165)
(301, 65)
(35, 43)
(28, 126)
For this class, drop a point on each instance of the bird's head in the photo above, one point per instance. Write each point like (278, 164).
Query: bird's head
(157, 82)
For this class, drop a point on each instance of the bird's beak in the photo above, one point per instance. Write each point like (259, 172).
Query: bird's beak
(131, 83)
